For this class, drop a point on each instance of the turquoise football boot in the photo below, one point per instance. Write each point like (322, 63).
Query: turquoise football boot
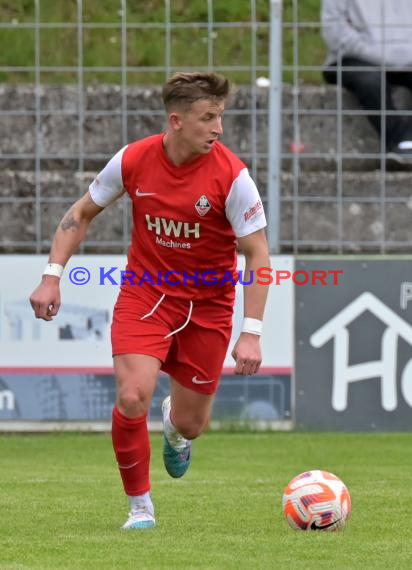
(177, 458)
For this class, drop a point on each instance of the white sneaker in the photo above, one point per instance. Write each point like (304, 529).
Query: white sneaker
(141, 516)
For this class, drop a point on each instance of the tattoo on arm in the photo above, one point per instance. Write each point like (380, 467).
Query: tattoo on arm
(69, 222)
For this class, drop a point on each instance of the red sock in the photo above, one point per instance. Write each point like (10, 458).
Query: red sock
(132, 449)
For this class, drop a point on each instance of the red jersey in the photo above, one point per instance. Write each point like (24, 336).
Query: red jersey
(186, 218)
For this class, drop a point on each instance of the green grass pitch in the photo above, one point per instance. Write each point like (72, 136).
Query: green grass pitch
(61, 504)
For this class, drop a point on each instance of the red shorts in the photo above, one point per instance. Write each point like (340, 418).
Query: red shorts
(189, 337)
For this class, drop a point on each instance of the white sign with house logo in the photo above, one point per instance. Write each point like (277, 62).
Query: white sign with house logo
(385, 369)
(354, 346)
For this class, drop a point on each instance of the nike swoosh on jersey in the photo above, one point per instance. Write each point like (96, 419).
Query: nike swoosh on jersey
(141, 194)
(196, 380)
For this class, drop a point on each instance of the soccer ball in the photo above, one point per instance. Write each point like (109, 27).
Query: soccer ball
(316, 500)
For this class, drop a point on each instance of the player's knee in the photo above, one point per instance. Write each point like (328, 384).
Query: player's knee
(132, 402)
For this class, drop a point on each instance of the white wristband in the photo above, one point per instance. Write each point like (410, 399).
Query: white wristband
(252, 326)
(54, 269)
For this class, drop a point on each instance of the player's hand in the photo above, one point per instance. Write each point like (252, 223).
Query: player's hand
(45, 299)
(247, 354)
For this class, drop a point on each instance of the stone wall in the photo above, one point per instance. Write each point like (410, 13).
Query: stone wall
(68, 162)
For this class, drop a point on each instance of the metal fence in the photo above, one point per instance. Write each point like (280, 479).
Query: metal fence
(54, 115)
(321, 170)
(340, 191)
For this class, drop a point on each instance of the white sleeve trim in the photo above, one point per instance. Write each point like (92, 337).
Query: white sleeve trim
(108, 184)
(244, 208)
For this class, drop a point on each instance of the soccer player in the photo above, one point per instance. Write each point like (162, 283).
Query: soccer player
(193, 202)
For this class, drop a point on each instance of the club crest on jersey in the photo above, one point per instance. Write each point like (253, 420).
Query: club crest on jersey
(202, 206)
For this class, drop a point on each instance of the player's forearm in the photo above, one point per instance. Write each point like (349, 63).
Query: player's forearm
(255, 294)
(69, 234)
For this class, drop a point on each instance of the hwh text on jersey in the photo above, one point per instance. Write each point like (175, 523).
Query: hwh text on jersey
(172, 227)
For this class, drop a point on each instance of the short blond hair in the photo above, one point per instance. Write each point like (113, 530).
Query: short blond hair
(183, 89)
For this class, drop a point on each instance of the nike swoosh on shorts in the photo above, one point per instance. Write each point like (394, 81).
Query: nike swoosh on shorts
(196, 380)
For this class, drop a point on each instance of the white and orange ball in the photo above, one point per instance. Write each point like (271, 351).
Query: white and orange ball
(316, 500)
